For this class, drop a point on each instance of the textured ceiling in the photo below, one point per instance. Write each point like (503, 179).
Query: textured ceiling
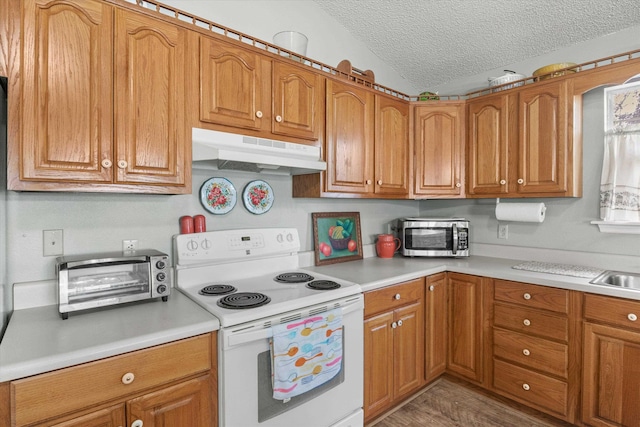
(432, 42)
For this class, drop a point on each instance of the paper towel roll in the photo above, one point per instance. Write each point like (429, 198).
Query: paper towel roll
(523, 212)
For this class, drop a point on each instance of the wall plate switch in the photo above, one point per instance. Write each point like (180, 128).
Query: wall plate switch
(503, 231)
(129, 245)
(52, 242)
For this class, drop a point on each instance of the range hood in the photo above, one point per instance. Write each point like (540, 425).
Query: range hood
(222, 150)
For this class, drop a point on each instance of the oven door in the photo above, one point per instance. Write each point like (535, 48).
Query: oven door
(245, 390)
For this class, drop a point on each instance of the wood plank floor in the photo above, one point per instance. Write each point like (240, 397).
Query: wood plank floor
(449, 403)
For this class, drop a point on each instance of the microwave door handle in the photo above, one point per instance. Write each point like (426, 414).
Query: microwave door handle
(455, 240)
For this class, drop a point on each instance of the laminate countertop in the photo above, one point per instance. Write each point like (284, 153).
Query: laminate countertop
(373, 273)
(37, 340)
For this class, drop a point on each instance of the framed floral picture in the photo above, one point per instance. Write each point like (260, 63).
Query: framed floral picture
(337, 237)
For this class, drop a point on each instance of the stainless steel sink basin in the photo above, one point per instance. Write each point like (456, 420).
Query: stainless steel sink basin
(619, 279)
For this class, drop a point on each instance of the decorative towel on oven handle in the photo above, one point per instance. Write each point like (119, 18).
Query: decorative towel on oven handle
(306, 353)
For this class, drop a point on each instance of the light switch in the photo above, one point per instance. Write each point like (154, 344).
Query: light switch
(52, 242)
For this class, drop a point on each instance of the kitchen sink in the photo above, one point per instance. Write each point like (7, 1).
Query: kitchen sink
(619, 279)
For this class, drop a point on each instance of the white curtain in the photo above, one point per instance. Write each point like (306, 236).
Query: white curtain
(620, 183)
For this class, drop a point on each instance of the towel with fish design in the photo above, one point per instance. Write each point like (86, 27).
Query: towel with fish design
(306, 353)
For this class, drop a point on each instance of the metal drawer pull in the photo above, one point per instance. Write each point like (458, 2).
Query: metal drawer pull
(526, 352)
(632, 317)
(128, 378)
(527, 296)
(397, 296)
(526, 386)
(526, 322)
(137, 423)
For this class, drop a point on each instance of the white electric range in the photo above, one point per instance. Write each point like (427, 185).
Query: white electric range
(250, 279)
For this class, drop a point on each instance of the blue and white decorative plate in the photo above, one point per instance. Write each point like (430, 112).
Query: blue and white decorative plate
(218, 195)
(258, 197)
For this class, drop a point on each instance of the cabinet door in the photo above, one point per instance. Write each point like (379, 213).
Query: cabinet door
(544, 120)
(378, 363)
(234, 86)
(611, 376)
(439, 150)
(435, 326)
(67, 89)
(349, 139)
(465, 326)
(391, 146)
(185, 404)
(153, 144)
(488, 125)
(298, 101)
(107, 417)
(408, 348)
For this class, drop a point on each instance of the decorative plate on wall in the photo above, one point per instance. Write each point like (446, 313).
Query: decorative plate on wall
(257, 197)
(218, 195)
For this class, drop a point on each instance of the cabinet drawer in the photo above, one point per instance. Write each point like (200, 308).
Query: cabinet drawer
(531, 321)
(531, 388)
(391, 297)
(532, 352)
(58, 392)
(615, 311)
(534, 296)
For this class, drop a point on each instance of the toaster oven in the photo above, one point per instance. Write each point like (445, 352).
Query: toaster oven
(98, 280)
(434, 237)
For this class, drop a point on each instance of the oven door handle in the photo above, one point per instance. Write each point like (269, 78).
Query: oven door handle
(245, 337)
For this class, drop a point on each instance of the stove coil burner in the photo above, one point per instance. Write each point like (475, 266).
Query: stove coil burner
(217, 290)
(295, 277)
(323, 285)
(243, 300)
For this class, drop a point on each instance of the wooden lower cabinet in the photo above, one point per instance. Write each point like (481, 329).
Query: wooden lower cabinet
(435, 351)
(393, 345)
(466, 327)
(536, 355)
(173, 384)
(611, 362)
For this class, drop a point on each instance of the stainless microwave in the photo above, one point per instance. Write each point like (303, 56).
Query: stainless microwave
(98, 280)
(434, 237)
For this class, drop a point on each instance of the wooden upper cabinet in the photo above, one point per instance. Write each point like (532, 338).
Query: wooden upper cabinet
(391, 147)
(153, 143)
(488, 135)
(439, 150)
(545, 160)
(234, 85)
(298, 101)
(79, 60)
(67, 91)
(349, 138)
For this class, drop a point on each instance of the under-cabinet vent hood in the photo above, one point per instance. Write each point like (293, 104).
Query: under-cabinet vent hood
(223, 150)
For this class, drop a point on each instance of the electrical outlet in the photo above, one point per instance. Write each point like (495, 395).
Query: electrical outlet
(129, 245)
(52, 242)
(503, 231)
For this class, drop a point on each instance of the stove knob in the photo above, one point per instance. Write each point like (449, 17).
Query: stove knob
(206, 244)
(161, 265)
(290, 237)
(192, 245)
(162, 289)
(161, 276)
(279, 238)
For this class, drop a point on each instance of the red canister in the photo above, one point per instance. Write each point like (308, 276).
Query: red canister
(186, 224)
(199, 223)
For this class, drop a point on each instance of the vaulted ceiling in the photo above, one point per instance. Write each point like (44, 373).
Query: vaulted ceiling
(431, 42)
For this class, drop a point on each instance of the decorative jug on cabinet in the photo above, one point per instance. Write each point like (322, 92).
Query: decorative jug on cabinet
(387, 245)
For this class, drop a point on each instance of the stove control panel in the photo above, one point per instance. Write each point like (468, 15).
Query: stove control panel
(214, 247)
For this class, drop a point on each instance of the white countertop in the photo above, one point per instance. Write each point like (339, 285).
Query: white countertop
(37, 340)
(372, 273)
